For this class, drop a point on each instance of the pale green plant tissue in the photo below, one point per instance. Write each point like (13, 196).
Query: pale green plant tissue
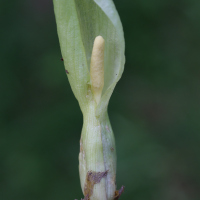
(79, 22)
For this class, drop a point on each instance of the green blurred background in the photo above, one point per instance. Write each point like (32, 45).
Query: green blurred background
(154, 110)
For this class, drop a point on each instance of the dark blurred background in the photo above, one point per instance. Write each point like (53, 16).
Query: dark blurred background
(154, 109)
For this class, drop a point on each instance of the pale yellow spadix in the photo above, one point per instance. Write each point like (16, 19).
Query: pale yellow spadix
(97, 68)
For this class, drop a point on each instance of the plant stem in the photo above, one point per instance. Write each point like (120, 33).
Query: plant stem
(97, 153)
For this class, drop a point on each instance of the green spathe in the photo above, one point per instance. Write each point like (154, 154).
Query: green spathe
(79, 22)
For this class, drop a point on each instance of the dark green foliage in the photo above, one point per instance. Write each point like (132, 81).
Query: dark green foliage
(154, 109)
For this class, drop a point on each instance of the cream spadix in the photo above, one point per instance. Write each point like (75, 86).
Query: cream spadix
(97, 68)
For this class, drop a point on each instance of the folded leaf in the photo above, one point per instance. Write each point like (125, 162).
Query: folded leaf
(79, 22)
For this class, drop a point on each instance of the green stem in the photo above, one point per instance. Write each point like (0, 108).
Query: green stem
(97, 154)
